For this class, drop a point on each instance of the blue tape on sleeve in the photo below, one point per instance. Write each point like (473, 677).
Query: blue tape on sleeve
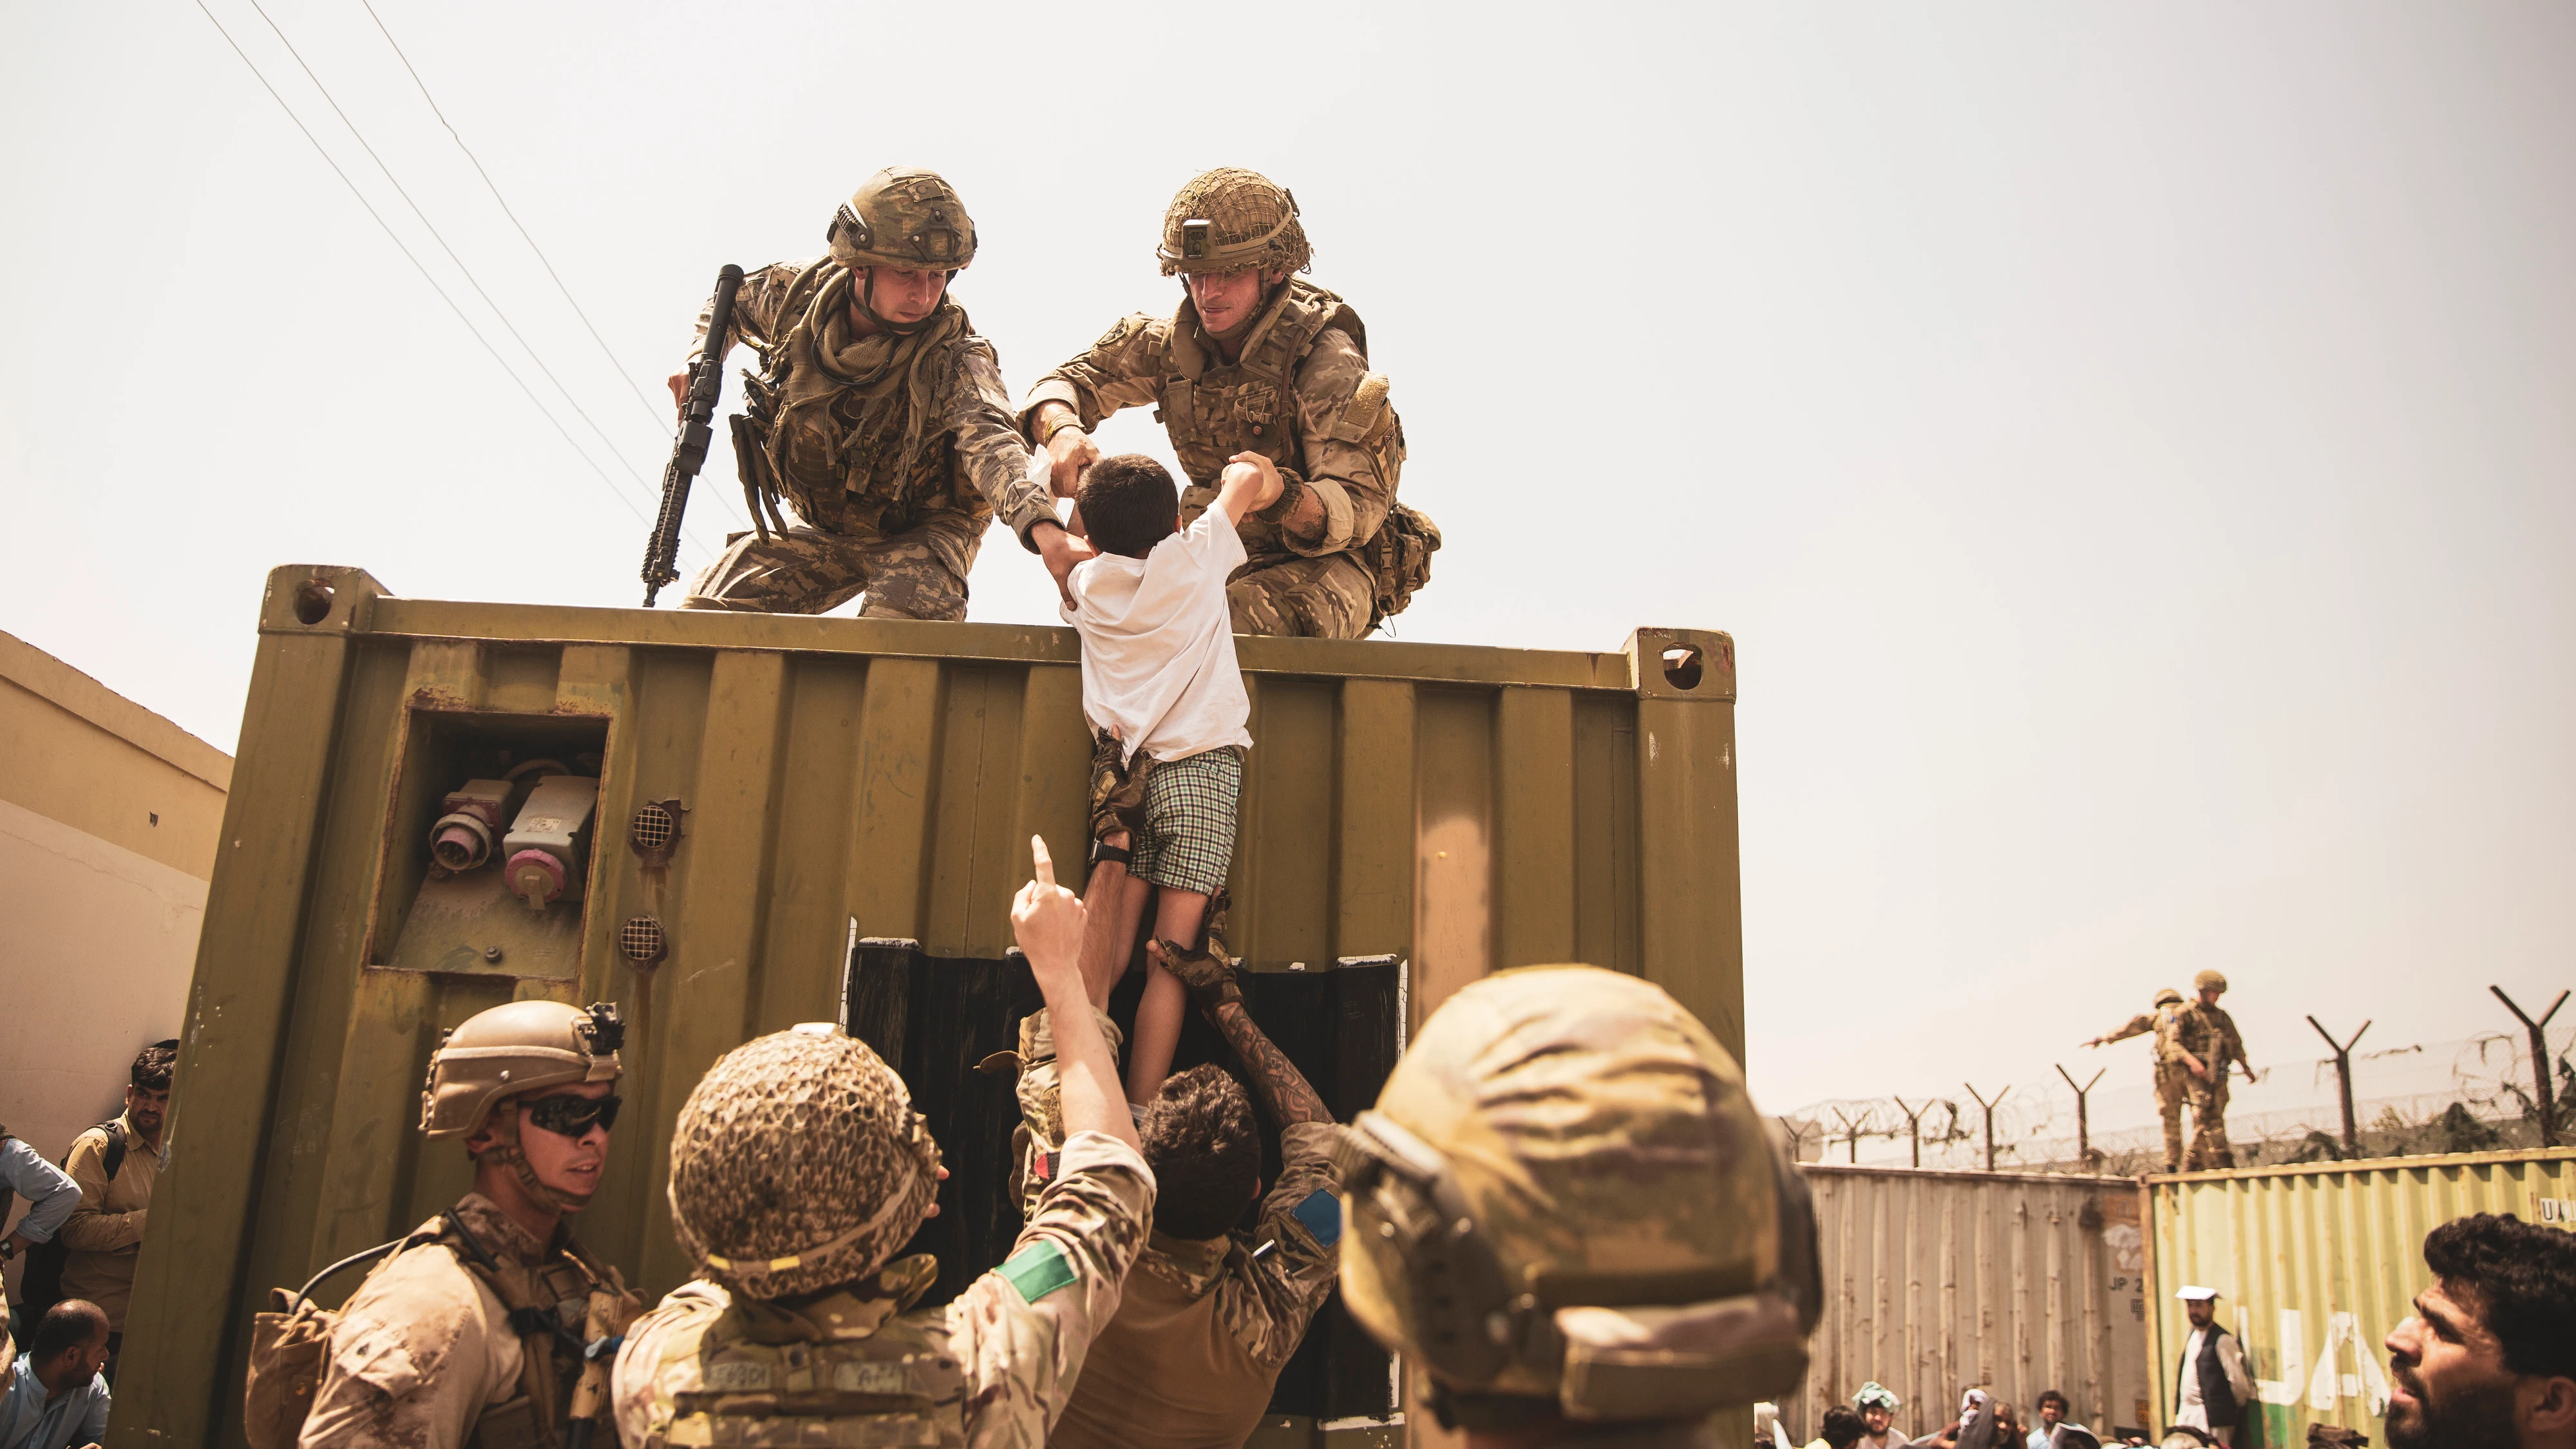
(1321, 1214)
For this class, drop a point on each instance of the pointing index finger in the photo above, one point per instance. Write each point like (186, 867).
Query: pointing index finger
(1045, 864)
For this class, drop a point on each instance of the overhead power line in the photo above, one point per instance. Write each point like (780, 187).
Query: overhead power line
(471, 280)
(533, 400)
(661, 417)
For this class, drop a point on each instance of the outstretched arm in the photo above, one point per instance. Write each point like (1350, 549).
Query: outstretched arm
(1284, 1091)
(1048, 919)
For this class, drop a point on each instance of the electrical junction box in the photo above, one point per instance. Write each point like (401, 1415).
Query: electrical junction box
(548, 847)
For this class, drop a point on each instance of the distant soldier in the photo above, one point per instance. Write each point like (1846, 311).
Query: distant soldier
(879, 416)
(1568, 1217)
(2209, 1046)
(1256, 360)
(2171, 1078)
(472, 1332)
(798, 1168)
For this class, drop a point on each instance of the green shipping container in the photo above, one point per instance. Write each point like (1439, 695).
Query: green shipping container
(2315, 1263)
(807, 819)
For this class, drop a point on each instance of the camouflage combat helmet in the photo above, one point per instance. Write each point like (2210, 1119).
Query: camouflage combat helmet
(1229, 219)
(2209, 981)
(2166, 994)
(1564, 1194)
(798, 1163)
(906, 218)
(525, 1046)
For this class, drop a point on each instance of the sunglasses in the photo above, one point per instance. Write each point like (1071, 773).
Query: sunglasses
(573, 1116)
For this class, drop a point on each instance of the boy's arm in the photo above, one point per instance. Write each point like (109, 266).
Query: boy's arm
(1249, 484)
(1048, 919)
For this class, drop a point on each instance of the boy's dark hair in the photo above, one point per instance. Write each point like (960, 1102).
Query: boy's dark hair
(153, 1064)
(71, 1323)
(2052, 1396)
(1199, 1139)
(1129, 504)
(2520, 1278)
(1842, 1427)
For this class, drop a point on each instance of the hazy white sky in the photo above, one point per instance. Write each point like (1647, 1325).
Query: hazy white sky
(2133, 446)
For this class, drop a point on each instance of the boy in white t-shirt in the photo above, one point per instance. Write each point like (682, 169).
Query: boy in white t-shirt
(1165, 700)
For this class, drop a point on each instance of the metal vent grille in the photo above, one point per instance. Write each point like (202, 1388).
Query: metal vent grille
(642, 940)
(655, 828)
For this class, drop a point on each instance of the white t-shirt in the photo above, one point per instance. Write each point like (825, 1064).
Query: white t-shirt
(1158, 664)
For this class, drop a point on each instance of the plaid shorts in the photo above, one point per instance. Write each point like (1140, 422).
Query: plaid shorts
(1188, 840)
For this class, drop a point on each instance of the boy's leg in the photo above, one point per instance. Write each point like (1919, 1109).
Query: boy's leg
(1159, 1013)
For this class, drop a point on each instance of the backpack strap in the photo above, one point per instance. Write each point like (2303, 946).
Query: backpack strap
(114, 1157)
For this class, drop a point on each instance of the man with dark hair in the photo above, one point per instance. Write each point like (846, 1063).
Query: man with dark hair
(1212, 1315)
(115, 1165)
(1841, 1429)
(2052, 1417)
(2488, 1361)
(57, 1399)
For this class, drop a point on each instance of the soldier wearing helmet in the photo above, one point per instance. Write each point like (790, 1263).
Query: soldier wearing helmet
(2209, 1044)
(1567, 1216)
(878, 417)
(798, 1168)
(474, 1329)
(1256, 363)
(2166, 1022)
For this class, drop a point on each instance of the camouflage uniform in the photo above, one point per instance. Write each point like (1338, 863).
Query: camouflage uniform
(788, 1138)
(893, 450)
(439, 1347)
(2173, 1079)
(1565, 1207)
(426, 1356)
(2207, 1032)
(1301, 394)
(1205, 1326)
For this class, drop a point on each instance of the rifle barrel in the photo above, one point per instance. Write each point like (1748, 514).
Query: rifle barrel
(689, 451)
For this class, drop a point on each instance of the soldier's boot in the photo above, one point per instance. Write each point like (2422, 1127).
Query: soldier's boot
(1039, 1137)
(2173, 1135)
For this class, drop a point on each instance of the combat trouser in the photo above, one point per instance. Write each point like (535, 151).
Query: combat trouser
(2209, 1147)
(1331, 597)
(919, 574)
(1041, 1134)
(2172, 1089)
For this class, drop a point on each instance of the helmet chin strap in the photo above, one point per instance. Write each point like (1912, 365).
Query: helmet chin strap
(505, 1149)
(867, 293)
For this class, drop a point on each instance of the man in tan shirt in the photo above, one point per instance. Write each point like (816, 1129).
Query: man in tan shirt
(1211, 1315)
(115, 1165)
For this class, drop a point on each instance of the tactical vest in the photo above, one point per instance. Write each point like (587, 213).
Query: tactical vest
(2169, 1034)
(818, 463)
(842, 1371)
(1214, 409)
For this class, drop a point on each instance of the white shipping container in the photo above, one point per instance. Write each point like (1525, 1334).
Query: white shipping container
(1940, 1281)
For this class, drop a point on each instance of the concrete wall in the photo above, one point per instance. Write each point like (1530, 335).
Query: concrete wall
(109, 817)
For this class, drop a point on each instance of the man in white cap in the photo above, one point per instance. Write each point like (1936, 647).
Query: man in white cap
(2212, 1384)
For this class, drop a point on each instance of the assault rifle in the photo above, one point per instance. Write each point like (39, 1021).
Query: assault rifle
(689, 452)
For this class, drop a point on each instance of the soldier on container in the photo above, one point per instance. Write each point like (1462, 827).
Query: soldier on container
(879, 416)
(2171, 1079)
(471, 1331)
(1255, 359)
(798, 1168)
(2211, 1383)
(2208, 1046)
(1567, 1215)
(2488, 1358)
(1212, 1315)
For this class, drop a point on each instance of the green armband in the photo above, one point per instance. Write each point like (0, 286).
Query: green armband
(1037, 1270)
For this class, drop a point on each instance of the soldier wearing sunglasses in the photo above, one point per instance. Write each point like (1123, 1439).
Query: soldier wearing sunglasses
(480, 1326)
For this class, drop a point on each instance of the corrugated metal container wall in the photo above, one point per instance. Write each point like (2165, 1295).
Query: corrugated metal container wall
(832, 779)
(1939, 1281)
(2315, 1263)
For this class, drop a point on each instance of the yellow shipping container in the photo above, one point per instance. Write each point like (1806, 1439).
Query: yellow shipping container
(798, 819)
(2315, 1263)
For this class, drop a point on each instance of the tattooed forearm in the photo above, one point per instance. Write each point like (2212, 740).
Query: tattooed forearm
(1283, 1089)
